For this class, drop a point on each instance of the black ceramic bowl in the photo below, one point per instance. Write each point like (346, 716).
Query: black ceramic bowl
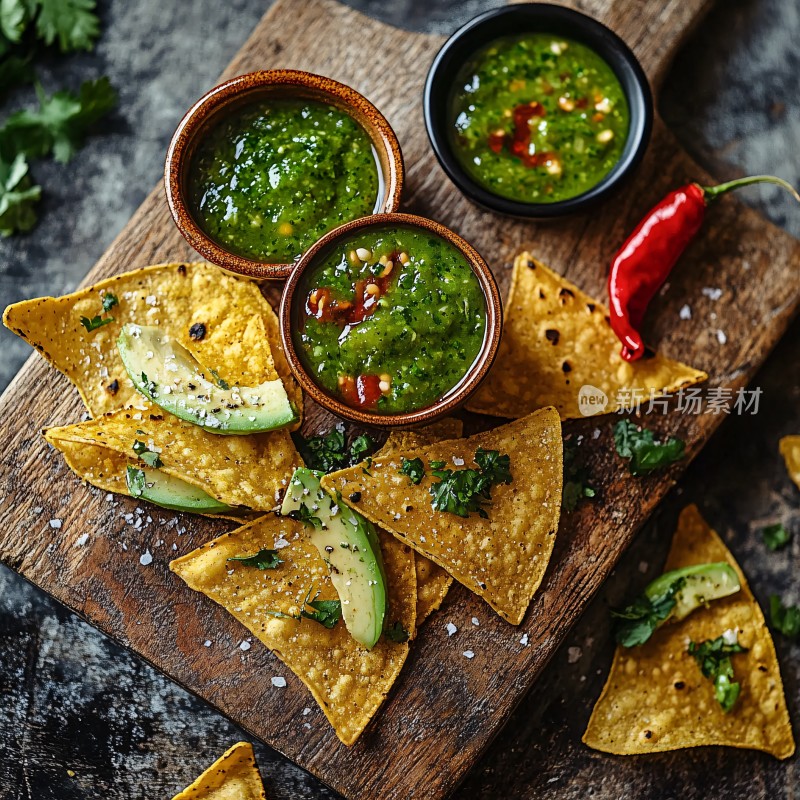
(536, 18)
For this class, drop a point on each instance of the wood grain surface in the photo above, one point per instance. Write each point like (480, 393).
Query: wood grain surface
(445, 709)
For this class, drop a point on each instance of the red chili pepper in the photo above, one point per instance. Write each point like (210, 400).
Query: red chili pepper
(646, 259)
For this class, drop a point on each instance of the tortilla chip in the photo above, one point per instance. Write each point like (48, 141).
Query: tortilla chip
(348, 681)
(241, 338)
(557, 339)
(656, 697)
(790, 450)
(433, 582)
(250, 471)
(233, 776)
(502, 558)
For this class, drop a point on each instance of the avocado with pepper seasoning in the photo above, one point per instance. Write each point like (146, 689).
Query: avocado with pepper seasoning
(538, 118)
(273, 177)
(393, 320)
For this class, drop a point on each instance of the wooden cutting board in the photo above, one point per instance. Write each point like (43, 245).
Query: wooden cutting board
(445, 708)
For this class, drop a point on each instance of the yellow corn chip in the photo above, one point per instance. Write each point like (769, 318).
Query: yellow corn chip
(557, 339)
(656, 698)
(347, 680)
(790, 450)
(502, 558)
(250, 471)
(233, 776)
(234, 329)
(433, 582)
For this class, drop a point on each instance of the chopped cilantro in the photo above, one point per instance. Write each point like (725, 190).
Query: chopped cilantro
(776, 536)
(95, 322)
(263, 559)
(714, 658)
(436, 464)
(577, 484)
(330, 452)
(414, 468)
(135, 479)
(646, 454)
(223, 384)
(326, 612)
(109, 301)
(305, 515)
(396, 633)
(149, 457)
(466, 491)
(785, 619)
(636, 622)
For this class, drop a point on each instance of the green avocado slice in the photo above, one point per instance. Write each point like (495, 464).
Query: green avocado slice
(349, 545)
(168, 374)
(702, 583)
(170, 492)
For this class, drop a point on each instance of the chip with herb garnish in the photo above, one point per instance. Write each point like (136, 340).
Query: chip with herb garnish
(502, 558)
(557, 339)
(348, 681)
(776, 536)
(263, 559)
(714, 658)
(656, 699)
(326, 612)
(95, 322)
(784, 619)
(233, 776)
(645, 453)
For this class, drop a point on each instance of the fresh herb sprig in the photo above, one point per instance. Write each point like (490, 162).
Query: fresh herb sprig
(645, 452)
(263, 559)
(414, 468)
(785, 619)
(636, 623)
(714, 658)
(329, 452)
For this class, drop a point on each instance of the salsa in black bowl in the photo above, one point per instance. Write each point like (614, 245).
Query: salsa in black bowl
(537, 111)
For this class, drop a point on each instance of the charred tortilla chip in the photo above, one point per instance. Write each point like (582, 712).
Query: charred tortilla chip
(502, 558)
(348, 681)
(233, 776)
(224, 322)
(557, 339)
(250, 471)
(790, 450)
(656, 697)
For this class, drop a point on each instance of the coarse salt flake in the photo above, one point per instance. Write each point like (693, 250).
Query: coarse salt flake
(524, 640)
(82, 539)
(451, 629)
(278, 682)
(685, 312)
(244, 645)
(146, 558)
(55, 523)
(207, 643)
(468, 654)
(475, 621)
(721, 337)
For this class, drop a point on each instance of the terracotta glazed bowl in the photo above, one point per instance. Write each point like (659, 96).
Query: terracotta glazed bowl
(293, 303)
(230, 96)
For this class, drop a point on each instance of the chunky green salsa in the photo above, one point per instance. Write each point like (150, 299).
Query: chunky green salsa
(269, 180)
(538, 118)
(393, 319)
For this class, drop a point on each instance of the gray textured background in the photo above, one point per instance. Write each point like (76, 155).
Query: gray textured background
(72, 700)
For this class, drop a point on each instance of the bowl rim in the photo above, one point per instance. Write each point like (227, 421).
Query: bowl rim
(471, 380)
(193, 124)
(606, 43)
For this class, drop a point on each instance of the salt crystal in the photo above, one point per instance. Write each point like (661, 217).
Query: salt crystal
(574, 654)
(55, 523)
(207, 643)
(278, 682)
(306, 711)
(685, 312)
(721, 337)
(146, 558)
(475, 621)
(459, 462)
(281, 543)
(451, 629)
(244, 645)
(524, 640)
(712, 293)
(468, 654)
(81, 540)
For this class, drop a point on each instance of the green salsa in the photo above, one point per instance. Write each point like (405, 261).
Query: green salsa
(392, 321)
(272, 178)
(537, 118)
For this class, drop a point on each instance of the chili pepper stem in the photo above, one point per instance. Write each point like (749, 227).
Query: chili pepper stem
(712, 192)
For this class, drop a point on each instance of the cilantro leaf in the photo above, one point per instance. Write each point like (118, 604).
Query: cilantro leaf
(466, 491)
(714, 658)
(646, 454)
(14, 18)
(95, 322)
(776, 536)
(263, 559)
(414, 468)
(60, 124)
(785, 619)
(149, 457)
(326, 612)
(637, 621)
(72, 22)
(396, 633)
(576, 479)
(329, 452)
(109, 301)
(305, 515)
(136, 481)
(17, 196)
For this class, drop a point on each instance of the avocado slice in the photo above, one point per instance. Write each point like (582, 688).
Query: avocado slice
(170, 492)
(169, 375)
(702, 583)
(349, 545)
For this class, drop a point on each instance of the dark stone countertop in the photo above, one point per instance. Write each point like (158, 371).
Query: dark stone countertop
(71, 701)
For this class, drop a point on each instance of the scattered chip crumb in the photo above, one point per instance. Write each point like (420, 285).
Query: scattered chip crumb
(468, 654)
(574, 654)
(244, 645)
(451, 629)
(524, 640)
(71, 773)
(279, 682)
(685, 312)
(82, 539)
(146, 558)
(55, 523)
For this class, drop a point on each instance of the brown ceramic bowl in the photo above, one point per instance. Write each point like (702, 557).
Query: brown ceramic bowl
(293, 299)
(237, 92)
